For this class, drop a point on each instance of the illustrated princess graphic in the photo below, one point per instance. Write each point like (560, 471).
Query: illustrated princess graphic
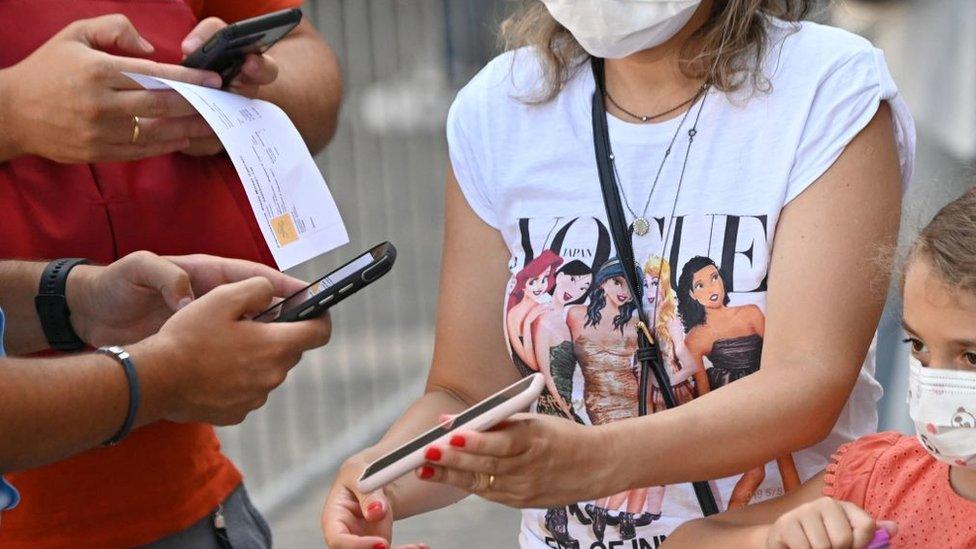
(732, 339)
(688, 378)
(551, 340)
(604, 341)
(532, 288)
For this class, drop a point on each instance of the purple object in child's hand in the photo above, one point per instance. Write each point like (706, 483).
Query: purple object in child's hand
(881, 540)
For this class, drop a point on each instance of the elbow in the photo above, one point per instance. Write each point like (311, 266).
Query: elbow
(321, 126)
(817, 433)
(810, 410)
(819, 420)
(318, 137)
(326, 109)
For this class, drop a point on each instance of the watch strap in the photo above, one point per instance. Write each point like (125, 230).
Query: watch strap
(52, 305)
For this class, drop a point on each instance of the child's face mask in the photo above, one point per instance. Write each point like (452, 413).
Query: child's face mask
(942, 404)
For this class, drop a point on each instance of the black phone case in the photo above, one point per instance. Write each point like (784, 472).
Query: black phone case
(343, 288)
(225, 51)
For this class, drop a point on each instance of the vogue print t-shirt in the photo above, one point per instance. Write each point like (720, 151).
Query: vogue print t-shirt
(530, 172)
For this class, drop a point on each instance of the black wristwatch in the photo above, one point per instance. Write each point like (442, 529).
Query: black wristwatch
(52, 305)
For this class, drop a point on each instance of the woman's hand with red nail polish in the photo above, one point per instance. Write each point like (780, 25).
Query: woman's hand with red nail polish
(509, 463)
(433, 454)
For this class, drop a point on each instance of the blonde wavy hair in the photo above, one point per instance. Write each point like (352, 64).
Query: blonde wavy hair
(667, 308)
(727, 50)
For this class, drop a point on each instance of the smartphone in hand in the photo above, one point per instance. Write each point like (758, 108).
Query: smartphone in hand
(332, 288)
(225, 51)
(484, 415)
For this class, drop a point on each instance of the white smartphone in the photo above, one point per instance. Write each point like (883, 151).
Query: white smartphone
(484, 415)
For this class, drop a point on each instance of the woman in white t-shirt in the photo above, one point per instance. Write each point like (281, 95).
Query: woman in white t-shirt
(732, 126)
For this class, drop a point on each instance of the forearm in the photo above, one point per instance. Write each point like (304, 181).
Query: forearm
(410, 495)
(703, 533)
(9, 147)
(55, 407)
(309, 85)
(745, 527)
(763, 426)
(19, 281)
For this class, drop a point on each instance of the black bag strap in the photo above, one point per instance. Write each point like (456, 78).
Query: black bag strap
(648, 353)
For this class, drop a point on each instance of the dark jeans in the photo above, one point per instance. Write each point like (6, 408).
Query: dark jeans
(242, 528)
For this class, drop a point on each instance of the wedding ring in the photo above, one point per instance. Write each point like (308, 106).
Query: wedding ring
(482, 478)
(135, 129)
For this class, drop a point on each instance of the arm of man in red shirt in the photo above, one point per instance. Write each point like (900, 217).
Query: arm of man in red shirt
(207, 362)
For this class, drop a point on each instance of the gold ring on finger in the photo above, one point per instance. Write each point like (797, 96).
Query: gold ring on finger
(135, 129)
(491, 481)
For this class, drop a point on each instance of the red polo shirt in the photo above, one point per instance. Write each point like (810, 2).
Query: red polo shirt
(166, 476)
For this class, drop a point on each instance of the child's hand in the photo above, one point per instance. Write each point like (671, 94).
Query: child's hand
(825, 522)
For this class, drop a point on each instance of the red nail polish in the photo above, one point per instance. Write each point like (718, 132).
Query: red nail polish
(458, 440)
(426, 472)
(379, 546)
(433, 454)
(374, 507)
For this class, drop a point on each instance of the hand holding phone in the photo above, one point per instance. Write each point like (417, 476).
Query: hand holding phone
(484, 415)
(227, 49)
(332, 288)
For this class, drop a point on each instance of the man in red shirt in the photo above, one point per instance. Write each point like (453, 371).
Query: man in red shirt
(74, 183)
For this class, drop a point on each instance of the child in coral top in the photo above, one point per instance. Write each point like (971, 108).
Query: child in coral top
(919, 491)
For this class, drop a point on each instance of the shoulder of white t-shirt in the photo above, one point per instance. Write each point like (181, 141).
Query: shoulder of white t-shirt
(512, 75)
(813, 46)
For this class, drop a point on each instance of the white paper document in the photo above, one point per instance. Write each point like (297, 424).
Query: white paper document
(291, 201)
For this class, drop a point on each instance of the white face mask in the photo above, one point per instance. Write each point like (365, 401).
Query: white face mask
(942, 404)
(617, 28)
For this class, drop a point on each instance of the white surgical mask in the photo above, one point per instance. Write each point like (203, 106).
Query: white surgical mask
(942, 404)
(617, 28)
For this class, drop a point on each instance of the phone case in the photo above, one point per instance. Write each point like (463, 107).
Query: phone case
(483, 422)
(343, 288)
(223, 52)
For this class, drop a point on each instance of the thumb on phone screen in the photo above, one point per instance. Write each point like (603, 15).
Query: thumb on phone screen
(243, 299)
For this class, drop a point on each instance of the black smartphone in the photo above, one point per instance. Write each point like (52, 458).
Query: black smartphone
(332, 288)
(225, 51)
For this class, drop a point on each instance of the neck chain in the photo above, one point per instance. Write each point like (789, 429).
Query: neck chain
(641, 225)
(649, 117)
